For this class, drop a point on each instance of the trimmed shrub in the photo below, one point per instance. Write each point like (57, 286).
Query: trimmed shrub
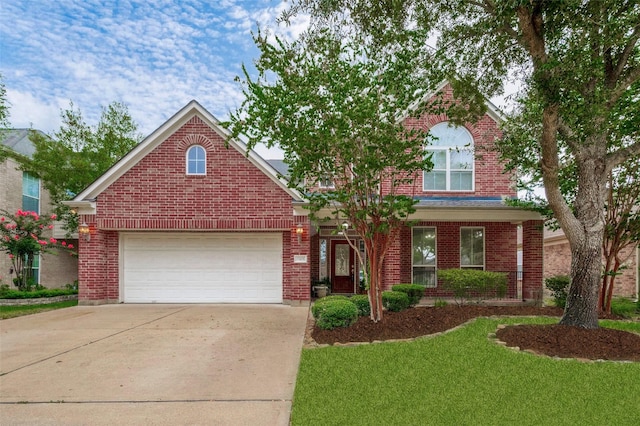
(414, 291)
(336, 313)
(318, 305)
(469, 284)
(559, 286)
(6, 293)
(623, 307)
(395, 301)
(362, 303)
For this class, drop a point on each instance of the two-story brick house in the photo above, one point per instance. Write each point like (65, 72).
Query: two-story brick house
(187, 218)
(24, 191)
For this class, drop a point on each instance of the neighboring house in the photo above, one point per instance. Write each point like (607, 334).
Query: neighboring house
(24, 191)
(184, 218)
(557, 261)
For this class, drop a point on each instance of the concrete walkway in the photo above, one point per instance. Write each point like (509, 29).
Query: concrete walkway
(151, 364)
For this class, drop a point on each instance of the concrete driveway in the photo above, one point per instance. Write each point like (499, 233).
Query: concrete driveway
(151, 364)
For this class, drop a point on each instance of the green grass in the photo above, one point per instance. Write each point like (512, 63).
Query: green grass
(462, 378)
(20, 310)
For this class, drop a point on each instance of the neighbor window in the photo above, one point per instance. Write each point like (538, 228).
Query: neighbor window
(452, 157)
(423, 245)
(472, 248)
(30, 193)
(196, 160)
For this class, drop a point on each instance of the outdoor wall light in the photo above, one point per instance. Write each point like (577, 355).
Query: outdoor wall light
(299, 232)
(83, 230)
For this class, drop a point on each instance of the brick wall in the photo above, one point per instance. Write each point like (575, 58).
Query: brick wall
(557, 261)
(490, 179)
(500, 252)
(157, 194)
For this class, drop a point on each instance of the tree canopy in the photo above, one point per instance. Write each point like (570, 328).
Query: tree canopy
(578, 65)
(335, 106)
(77, 154)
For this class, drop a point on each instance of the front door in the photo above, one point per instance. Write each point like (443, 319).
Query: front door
(342, 267)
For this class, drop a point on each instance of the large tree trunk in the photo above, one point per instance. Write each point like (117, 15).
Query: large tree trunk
(582, 301)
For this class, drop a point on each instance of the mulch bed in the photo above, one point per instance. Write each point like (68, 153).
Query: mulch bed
(553, 340)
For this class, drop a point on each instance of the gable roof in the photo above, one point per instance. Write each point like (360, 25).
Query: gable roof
(18, 141)
(492, 110)
(86, 198)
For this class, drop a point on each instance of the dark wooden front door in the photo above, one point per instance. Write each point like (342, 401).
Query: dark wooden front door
(342, 267)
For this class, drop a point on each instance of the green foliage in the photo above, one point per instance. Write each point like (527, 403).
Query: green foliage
(414, 291)
(623, 307)
(559, 286)
(362, 303)
(334, 105)
(336, 313)
(395, 301)
(318, 306)
(4, 105)
(469, 284)
(440, 303)
(77, 154)
(21, 238)
(6, 293)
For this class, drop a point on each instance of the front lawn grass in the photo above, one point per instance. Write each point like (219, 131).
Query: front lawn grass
(20, 310)
(462, 378)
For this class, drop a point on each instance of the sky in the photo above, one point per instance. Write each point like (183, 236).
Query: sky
(154, 56)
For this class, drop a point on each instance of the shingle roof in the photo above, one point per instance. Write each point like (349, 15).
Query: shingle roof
(462, 202)
(18, 141)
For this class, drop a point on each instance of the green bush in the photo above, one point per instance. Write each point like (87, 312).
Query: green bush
(395, 301)
(336, 313)
(623, 307)
(469, 284)
(414, 291)
(362, 303)
(559, 286)
(319, 304)
(6, 293)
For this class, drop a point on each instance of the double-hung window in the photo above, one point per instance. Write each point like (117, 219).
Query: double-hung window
(196, 160)
(472, 248)
(30, 193)
(452, 156)
(423, 246)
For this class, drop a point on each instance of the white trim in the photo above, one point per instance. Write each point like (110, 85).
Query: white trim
(484, 248)
(156, 138)
(435, 266)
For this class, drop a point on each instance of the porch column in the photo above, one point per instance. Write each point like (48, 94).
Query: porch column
(532, 260)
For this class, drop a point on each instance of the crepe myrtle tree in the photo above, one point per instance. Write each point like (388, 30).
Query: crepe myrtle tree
(578, 61)
(22, 239)
(334, 106)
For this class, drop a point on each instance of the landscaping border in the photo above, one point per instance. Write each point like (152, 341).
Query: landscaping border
(38, 300)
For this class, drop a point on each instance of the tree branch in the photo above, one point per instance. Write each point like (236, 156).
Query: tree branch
(621, 155)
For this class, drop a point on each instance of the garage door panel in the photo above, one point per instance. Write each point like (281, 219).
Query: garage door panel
(211, 268)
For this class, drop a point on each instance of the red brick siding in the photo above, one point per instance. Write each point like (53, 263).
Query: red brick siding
(156, 194)
(557, 261)
(490, 179)
(500, 252)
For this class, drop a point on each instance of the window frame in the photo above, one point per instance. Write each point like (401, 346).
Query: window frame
(447, 150)
(433, 267)
(28, 177)
(195, 161)
(484, 249)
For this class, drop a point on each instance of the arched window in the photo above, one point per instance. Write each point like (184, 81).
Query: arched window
(196, 160)
(453, 163)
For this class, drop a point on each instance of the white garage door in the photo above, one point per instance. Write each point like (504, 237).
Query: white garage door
(197, 268)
